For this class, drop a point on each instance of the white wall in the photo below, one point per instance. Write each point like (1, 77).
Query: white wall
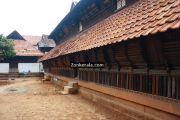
(4, 67)
(32, 67)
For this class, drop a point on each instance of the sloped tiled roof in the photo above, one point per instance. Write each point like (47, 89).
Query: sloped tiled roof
(15, 35)
(25, 45)
(143, 18)
(46, 42)
(32, 39)
(24, 48)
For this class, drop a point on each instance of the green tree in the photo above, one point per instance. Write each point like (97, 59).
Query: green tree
(6, 48)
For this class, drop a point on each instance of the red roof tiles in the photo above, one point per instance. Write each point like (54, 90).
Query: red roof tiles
(32, 39)
(24, 48)
(140, 19)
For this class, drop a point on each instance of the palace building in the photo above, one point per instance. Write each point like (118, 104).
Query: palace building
(138, 41)
(28, 50)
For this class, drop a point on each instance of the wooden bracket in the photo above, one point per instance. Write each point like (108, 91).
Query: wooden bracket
(107, 57)
(114, 58)
(125, 46)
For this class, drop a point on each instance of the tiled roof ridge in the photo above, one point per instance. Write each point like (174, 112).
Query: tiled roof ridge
(31, 35)
(140, 19)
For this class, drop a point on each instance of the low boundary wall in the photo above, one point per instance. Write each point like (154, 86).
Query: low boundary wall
(132, 104)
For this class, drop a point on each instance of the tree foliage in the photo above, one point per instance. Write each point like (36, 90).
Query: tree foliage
(6, 48)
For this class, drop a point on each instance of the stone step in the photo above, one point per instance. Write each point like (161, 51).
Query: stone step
(73, 84)
(64, 93)
(44, 80)
(70, 89)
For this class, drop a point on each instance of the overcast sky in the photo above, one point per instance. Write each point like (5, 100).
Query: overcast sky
(32, 17)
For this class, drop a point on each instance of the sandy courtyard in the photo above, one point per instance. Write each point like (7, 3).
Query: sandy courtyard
(27, 99)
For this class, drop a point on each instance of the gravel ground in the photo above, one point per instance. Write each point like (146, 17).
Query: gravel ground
(32, 100)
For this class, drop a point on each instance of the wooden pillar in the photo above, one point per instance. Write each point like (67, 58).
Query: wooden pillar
(169, 86)
(98, 77)
(130, 81)
(141, 82)
(165, 86)
(117, 78)
(127, 80)
(157, 85)
(121, 79)
(113, 54)
(173, 87)
(178, 88)
(153, 85)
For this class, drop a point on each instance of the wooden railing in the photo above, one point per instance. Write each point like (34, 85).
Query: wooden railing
(153, 82)
(156, 84)
(68, 72)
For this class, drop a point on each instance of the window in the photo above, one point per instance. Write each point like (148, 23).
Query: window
(121, 4)
(80, 27)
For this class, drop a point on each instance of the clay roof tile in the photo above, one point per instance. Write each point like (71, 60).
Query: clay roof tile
(143, 18)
